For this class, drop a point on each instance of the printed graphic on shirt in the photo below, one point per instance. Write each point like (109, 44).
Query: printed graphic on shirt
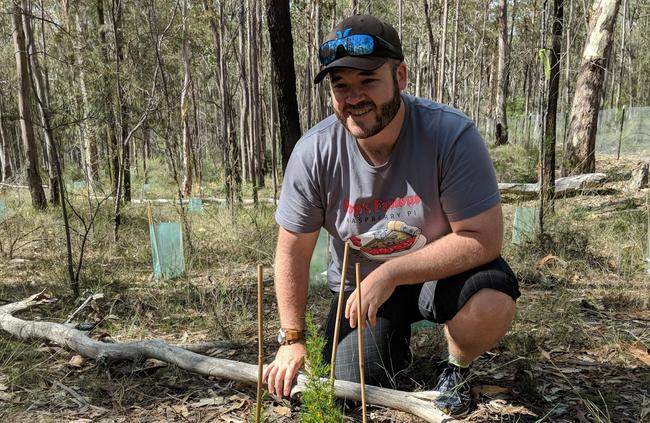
(377, 209)
(395, 240)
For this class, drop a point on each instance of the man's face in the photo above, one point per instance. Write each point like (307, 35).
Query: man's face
(367, 101)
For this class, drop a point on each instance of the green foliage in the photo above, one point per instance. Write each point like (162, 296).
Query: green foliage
(21, 227)
(246, 235)
(515, 106)
(514, 163)
(318, 403)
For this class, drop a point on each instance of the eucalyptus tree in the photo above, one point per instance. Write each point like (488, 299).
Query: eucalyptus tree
(284, 80)
(580, 157)
(24, 109)
(550, 133)
(6, 152)
(40, 82)
(187, 87)
(501, 131)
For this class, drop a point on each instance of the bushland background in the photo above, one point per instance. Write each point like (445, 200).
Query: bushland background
(109, 108)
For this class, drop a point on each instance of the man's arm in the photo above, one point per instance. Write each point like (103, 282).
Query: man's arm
(472, 242)
(292, 255)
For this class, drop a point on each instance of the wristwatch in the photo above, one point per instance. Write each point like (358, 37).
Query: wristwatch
(290, 336)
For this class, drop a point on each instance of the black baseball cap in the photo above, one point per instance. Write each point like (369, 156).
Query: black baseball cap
(390, 46)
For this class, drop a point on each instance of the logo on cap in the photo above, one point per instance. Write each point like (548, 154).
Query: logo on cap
(343, 34)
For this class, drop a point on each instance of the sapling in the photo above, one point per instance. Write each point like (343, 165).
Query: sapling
(318, 404)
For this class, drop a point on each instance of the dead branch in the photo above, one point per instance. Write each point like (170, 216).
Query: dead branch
(564, 185)
(82, 306)
(418, 404)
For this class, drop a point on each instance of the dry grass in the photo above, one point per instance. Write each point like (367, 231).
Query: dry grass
(575, 352)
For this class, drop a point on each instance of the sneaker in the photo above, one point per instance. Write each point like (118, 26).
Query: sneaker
(453, 385)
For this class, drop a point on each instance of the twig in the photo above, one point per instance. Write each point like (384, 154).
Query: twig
(260, 341)
(81, 401)
(357, 268)
(339, 311)
(75, 396)
(82, 306)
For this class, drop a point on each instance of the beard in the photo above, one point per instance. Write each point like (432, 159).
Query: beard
(385, 113)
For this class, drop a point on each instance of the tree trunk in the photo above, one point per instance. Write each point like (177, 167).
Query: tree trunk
(244, 105)
(252, 99)
(454, 60)
(228, 142)
(477, 112)
(401, 18)
(26, 127)
(89, 131)
(567, 82)
(257, 82)
(146, 151)
(320, 88)
(274, 135)
(354, 7)
(187, 82)
(580, 157)
(501, 128)
(418, 69)
(6, 152)
(622, 54)
(431, 56)
(311, 43)
(108, 125)
(57, 195)
(443, 53)
(124, 174)
(548, 187)
(41, 85)
(284, 79)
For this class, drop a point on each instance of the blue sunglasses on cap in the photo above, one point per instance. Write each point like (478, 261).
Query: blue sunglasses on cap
(356, 45)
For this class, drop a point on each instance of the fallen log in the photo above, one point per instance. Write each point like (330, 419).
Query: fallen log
(416, 403)
(207, 200)
(566, 185)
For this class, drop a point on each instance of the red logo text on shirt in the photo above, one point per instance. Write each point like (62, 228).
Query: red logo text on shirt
(379, 205)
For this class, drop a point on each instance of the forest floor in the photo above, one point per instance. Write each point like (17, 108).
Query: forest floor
(578, 350)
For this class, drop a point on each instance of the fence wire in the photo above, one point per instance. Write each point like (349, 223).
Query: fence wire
(630, 127)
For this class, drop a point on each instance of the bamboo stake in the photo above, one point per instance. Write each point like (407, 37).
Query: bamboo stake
(339, 311)
(357, 268)
(647, 210)
(149, 214)
(260, 342)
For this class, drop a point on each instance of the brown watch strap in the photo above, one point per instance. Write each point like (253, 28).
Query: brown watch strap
(291, 336)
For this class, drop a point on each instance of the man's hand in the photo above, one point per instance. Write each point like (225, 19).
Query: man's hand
(376, 288)
(283, 370)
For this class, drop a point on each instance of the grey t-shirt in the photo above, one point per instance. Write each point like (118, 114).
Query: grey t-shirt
(438, 172)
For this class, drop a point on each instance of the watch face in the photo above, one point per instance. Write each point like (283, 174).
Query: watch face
(281, 336)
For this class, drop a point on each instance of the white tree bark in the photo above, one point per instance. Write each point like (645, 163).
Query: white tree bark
(566, 185)
(501, 131)
(581, 141)
(187, 139)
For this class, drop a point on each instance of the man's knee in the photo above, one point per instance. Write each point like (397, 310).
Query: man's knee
(487, 308)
